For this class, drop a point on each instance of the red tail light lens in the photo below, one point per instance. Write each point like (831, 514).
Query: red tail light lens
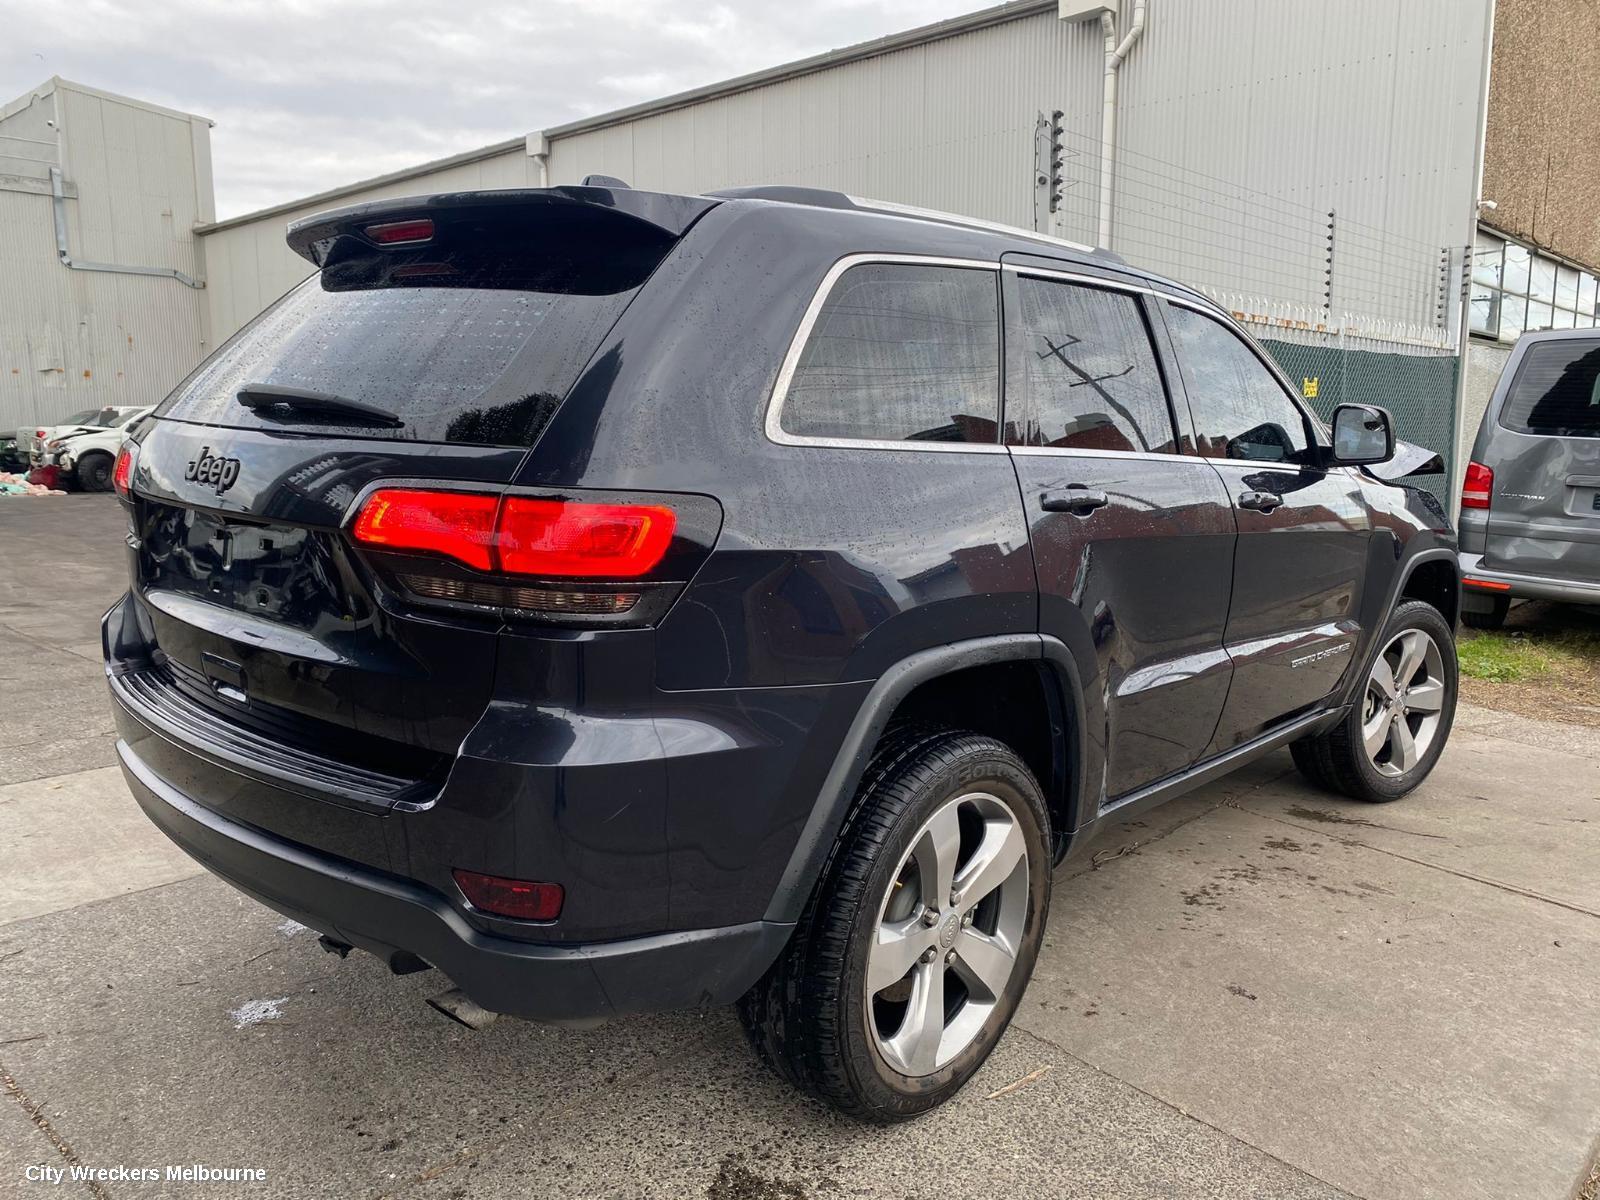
(524, 536)
(394, 233)
(122, 474)
(457, 524)
(573, 540)
(1477, 487)
(519, 899)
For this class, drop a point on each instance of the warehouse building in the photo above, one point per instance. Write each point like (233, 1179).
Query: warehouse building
(1315, 167)
(102, 200)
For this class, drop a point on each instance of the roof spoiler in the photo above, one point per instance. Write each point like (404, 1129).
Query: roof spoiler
(638, 216)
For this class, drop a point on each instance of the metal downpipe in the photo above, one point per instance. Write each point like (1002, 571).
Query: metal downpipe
(1116, 52)
(58, 202)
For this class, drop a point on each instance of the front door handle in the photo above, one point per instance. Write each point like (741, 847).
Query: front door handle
(1075, 498)
(1260, 501)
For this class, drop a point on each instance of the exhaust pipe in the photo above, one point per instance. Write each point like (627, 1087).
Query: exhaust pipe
(454, 1004)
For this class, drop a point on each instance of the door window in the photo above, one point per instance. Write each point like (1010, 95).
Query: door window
(1082, 374)
(901, 352)
(1240, 409)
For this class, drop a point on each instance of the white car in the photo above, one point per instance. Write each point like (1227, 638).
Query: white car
(85, 447)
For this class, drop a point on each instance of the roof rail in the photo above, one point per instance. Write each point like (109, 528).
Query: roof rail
(824, 198)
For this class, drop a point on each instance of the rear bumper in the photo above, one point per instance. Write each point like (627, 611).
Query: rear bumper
(1531, 587)
(387, 915)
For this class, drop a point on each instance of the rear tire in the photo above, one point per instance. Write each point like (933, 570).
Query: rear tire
(1492, 619)
(841, 1013)
(93, 472)
(1399, 722)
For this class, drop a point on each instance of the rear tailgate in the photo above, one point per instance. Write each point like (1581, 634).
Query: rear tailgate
(272, 646)
(1544, 515)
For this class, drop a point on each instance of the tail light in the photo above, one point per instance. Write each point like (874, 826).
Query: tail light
(122, 473)
(459, 525)
(612, 559)
(1477, 487)
(401, 233)
(520, 899)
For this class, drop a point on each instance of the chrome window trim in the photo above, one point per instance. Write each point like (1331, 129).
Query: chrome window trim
(1099, 281)
(1138, 455)
(791, 362)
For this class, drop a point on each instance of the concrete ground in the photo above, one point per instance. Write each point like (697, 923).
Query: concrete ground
(1269, 992)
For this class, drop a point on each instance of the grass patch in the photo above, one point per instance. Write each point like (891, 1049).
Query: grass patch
(1513, 656)
(1501, 658)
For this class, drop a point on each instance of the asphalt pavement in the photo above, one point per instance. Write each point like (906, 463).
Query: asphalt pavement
(1261, 990)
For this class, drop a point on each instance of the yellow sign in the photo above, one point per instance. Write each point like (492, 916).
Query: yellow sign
(1308, 386)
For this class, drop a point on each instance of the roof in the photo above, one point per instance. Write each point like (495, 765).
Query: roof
(56, 83)
(921, 36)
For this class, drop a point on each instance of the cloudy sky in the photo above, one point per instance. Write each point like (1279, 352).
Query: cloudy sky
(307, 96)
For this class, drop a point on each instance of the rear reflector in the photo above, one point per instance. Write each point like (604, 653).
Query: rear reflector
(394, 233)
(515, 898)
(122, 474)
(1477, 486)
(523, 536)
(572, 540)
(1486, 585)
(528, 599)
(457, 524)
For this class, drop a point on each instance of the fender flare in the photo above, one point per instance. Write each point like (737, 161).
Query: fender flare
(1402, 576)
(820, 834)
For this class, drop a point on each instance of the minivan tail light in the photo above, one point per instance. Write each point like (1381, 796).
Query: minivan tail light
(523, 535)
(459, 525)
(573, 540)
(122, 473)
(1477, 487)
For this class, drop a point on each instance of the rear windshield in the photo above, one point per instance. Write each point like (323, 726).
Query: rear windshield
(484, 364)
(1556, 391)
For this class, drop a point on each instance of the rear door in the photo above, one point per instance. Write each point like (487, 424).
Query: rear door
(446, 351)
(1132, 540)
(1544, 514)
(1303, 530)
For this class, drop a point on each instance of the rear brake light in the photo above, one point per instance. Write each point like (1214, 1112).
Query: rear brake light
(1477, 486)
(524, 536)
(457, 524)
(122, 474)
(573, 540)
(394, 233)
(519, 899)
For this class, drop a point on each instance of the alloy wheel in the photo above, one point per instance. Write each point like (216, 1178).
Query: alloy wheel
(1404, 701)
(948, 934)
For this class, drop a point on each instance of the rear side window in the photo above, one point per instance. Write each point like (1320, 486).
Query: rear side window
(1557, 391)
(901, 352)
(1082, 374)
(1240, 409)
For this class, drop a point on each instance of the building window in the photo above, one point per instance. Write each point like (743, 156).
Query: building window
(1515, 288)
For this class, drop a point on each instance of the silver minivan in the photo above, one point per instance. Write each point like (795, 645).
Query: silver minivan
(1530, 504)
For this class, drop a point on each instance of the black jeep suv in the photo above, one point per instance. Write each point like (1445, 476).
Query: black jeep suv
(621, 601)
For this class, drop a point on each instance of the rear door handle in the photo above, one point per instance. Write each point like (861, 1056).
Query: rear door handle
(1075, 498)
(1260, 501)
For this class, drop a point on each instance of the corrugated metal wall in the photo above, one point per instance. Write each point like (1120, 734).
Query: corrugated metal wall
(138, 180)
(1242, 122)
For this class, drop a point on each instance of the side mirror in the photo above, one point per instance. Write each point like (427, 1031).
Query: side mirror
(1362, 434)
